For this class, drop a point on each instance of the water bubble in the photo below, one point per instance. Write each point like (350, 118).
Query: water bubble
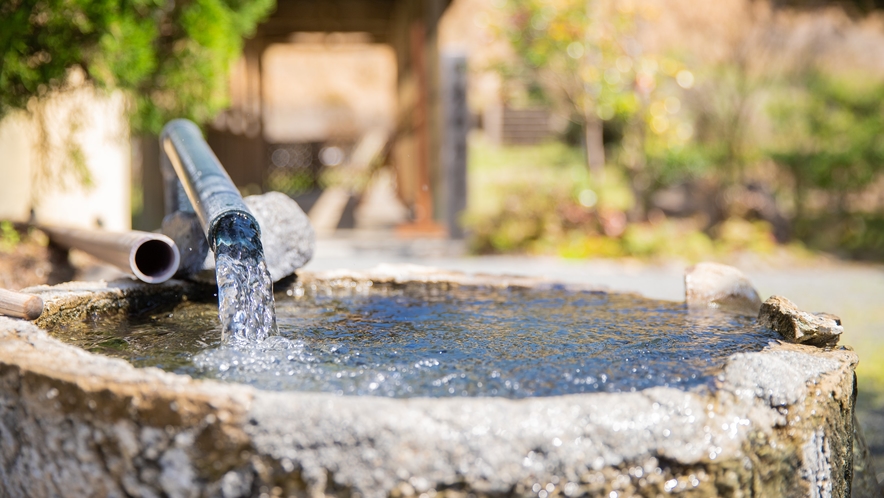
(685, 79)
(605, 111)
(331, 156)
(575, 50)
(588, 198)
(659, 124)
(281, 158)
(612, 76)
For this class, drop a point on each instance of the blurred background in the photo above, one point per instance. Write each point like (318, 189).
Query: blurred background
(615, 141)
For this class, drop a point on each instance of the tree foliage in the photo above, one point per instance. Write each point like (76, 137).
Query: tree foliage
(830, 136)
(703, 142)
(172, 57)
(586, 60)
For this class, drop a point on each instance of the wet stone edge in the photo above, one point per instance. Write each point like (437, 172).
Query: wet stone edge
(165, 433)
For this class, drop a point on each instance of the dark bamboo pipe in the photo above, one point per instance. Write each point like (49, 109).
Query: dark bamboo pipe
(196, 182)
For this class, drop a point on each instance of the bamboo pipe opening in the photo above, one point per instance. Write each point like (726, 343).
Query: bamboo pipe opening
(154, 261)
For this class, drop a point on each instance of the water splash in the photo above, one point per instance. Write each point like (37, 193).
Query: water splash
(245, 289)
(515, 343)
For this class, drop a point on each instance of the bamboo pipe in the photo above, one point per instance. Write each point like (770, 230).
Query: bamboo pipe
(196, 182)
(152, 257)
(20, 305)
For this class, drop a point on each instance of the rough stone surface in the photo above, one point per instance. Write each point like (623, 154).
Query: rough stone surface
(778, 423)
(798, 326)
(286, 233)
(865, 482)
(720, 286)
(185, 230)
(79, 300)
(287, 236)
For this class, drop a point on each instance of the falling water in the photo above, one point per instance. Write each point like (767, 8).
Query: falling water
(245, 289)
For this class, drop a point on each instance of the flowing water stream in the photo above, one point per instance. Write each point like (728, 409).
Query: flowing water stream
(245, 289)
(432, 340)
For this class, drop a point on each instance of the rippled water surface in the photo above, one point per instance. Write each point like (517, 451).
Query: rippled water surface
(427, 341)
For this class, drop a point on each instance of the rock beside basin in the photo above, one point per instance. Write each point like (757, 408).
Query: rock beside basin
(286, 233)
(287, 236)
(777, 423)
(184, 228)
(800, 327)
(720, 286)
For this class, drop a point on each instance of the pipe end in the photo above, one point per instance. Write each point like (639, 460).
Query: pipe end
(237, 223)
(155, 260)
(33, 308)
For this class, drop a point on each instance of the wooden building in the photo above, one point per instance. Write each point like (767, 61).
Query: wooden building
(410, 28)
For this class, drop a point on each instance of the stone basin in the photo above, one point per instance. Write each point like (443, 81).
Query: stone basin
(778, 422)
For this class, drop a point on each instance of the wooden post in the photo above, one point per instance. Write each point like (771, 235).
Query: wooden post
(423, 223)
(453, 147)
(423, 210)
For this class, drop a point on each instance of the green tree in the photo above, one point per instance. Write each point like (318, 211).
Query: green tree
(585, 59)
(171, 57)
(561, 54)
(830, 137)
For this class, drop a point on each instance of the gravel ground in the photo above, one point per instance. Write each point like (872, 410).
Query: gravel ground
(24, 265)
(33, 262)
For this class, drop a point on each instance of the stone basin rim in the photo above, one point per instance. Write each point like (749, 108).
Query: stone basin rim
(62, 300)
(333, 442)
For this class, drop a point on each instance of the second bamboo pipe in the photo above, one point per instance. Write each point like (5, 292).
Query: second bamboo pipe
(152, 257)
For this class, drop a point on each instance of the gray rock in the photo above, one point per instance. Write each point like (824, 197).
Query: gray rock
(184, 228)
(865, 482)
(777, 423)
(720, 286)
(286, 233)
(798, 326)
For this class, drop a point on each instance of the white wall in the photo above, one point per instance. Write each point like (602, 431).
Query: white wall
(15, 169)
(315, 91)
(95, 122)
